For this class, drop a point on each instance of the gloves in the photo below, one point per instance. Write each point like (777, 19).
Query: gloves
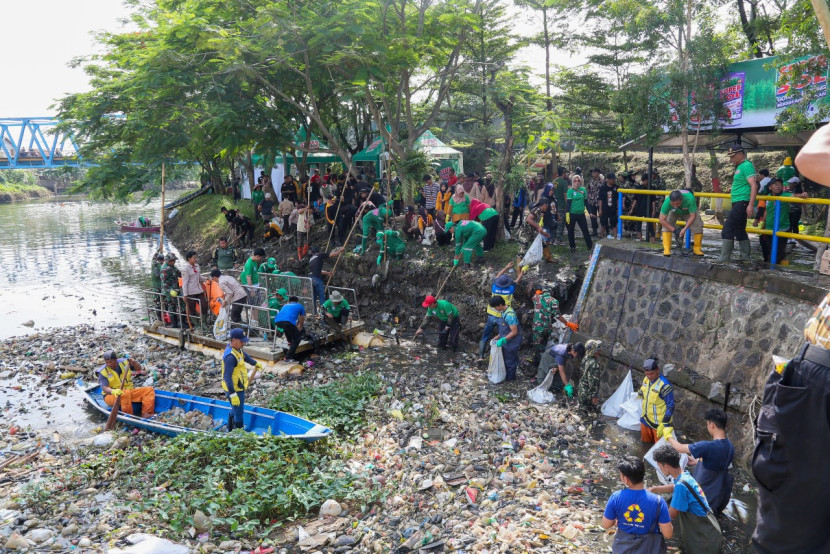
(174, 293)
(235, 399)
(569, 390)
(455, 262)
(501, 342)
(525, 268)
(568, 218)
(572, 326)
(668, 432)
(117, 392)
(380, 258)
(258, 366)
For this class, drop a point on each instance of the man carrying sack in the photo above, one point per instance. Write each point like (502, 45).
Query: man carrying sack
(116, 379)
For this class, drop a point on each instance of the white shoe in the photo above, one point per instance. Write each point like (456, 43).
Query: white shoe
(610, 237)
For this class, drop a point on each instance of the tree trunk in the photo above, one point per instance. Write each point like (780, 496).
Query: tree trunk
(549, 101)
(505, 164)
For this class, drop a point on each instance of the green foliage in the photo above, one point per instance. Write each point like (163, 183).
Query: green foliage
(338, 405)
(35, 495)
(247, 484)
(17, 178)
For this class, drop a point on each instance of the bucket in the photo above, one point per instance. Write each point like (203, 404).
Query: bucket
(367, 340)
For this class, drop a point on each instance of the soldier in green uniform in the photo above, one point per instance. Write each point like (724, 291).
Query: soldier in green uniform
(393, 242)
(589, 382)
(468, 237)
(224, 257)
(681, 204)
(545, 310)
(170, 287)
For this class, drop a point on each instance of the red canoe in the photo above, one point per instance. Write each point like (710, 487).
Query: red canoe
(134, 229)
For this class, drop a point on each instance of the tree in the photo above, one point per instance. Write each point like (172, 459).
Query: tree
(548, 36)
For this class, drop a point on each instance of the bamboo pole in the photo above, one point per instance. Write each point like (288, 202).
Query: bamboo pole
(161, 230)
(337, 261)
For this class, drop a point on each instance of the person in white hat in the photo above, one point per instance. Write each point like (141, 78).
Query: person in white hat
(266, 208)
(336, 309)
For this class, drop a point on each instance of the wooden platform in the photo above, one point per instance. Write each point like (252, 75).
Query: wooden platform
(262, 350)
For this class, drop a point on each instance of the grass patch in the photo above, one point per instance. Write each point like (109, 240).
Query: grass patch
(14, 192)
(339, 405)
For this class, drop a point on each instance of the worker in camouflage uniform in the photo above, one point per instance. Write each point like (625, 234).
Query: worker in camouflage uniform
(545, 310)
(170, 287)
(155, 281)
(589, 382)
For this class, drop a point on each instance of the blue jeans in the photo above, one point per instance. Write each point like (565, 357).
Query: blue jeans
(237, 416)
(510, 353)
(489, 329)
(319, 293)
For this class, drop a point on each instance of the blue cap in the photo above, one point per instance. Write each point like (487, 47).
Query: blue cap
(238, 334)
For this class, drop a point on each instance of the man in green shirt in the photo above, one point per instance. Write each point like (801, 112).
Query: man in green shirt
(250, 273)
(681, 204)
(468, 237)
(744, 190)
(449, 324)
(224, 257)
(336, 309)
(269, 267)
(575, 213)
(776, 187)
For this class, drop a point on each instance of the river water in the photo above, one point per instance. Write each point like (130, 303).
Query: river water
(63, 261)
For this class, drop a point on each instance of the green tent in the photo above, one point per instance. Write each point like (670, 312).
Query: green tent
(314, 143)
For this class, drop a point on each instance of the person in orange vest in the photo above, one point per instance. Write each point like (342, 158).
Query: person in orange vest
(116, 379)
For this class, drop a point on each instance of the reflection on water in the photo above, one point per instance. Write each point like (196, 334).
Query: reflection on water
(64, 262)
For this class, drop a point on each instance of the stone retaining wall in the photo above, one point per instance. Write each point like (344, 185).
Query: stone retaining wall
(711, 327)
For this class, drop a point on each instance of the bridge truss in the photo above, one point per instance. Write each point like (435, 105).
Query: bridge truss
(35, 143)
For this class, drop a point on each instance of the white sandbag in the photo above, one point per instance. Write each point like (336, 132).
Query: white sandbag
(613, 406)
(535, 252)
(220, 327)
(541, 394)
(497, 371)
(649, 457)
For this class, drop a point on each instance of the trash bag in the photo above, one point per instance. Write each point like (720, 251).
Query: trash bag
(534, 253)
(497, 371)
(506, 234)
(541, 394)
(649, 457)
(613, 406)
(630, 418)
(220, 327)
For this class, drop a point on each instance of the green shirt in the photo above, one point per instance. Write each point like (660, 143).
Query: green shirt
(460, 208)
(443, 310)
(334, 308)
(577, 198)
(487, 214)
(265, 268)
(785, 172)
(257, 196)
(783, 218)
(741, 190)
(687, 206)
(250, 269)
(561, 185)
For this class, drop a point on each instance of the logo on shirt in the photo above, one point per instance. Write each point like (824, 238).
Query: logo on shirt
(634, 514)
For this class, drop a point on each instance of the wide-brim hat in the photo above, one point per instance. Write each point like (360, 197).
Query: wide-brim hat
(336, 297)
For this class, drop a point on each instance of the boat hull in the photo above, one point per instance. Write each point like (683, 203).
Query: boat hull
(257, 420)
(132, 229)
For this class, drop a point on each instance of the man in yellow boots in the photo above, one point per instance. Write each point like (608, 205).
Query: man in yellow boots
(681, 204)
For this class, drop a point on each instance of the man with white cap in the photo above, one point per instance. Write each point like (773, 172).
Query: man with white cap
(266, 208)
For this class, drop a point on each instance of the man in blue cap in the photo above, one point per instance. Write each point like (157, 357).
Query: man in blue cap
(235, 377)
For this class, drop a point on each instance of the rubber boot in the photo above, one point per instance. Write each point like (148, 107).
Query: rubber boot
(744, 251)
(299, 253)
(785, 262)
(546, 254)
(667, 244)
(727, 245)
(697, 240)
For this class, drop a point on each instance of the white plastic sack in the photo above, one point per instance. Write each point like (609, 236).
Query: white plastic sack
(649, 457)
(613, 406)
(534, 253)
(541, 394)
(497, 371)
(506, 234)
(220, 328)
(631, 408)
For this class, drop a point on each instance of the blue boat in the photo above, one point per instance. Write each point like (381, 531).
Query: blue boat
(260, 421)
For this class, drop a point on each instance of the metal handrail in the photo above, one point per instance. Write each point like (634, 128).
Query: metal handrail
(754, 230)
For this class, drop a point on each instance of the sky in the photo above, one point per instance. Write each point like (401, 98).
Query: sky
(40, 39)
(45, 38)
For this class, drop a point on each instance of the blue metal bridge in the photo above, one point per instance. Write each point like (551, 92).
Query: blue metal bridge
(35, 143)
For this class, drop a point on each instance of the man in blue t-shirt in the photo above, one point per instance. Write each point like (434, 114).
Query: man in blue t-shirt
(290, 319)
(642, 517)
(688, 505)
(711, 460)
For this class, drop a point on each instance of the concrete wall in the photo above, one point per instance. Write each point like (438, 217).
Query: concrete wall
(708, 325)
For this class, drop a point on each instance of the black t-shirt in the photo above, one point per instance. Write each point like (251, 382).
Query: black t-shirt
(545, 219)
(315, 191)
(376, 198)
(315, 264)
(288, 191)
(348, 194)
(608, 197)
(243, 223)
(230, 215)
(267, 208)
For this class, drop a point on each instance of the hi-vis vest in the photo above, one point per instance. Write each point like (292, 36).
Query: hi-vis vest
(504, 292)
(654, 407)
(239, 377)
(116, 381)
